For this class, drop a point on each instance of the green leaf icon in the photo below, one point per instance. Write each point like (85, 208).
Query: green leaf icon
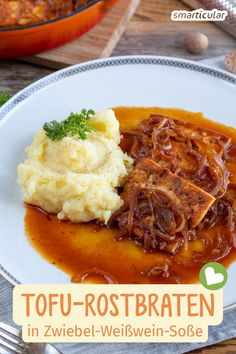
(213, 276)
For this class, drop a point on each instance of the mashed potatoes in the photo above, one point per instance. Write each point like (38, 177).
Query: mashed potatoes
(74, 178)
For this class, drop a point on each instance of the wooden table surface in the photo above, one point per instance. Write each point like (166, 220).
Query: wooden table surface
(150, 32)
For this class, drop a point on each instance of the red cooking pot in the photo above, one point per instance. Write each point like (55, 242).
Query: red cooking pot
(32, 39)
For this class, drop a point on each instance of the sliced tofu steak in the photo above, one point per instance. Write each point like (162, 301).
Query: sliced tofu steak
(159, 206)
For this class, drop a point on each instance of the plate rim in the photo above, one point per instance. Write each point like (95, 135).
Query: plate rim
(113, 61)
(36, 86)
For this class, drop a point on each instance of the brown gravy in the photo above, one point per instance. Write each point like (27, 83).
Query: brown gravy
(88, 253)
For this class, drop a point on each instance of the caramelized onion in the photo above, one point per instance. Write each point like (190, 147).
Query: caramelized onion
(207, 148)
(151, 217)
(159, 270)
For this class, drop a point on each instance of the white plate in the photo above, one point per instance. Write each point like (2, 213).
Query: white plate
(126, 81)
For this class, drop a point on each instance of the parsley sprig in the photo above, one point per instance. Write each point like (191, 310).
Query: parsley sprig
(75, 124)
(4, 97)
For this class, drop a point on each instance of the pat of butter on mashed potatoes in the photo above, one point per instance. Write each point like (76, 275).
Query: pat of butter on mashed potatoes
(77, 179)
